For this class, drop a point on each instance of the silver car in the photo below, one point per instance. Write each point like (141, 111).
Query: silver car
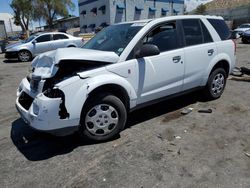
(40, 43)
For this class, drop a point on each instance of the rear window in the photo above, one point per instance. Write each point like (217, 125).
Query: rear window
(221, 27)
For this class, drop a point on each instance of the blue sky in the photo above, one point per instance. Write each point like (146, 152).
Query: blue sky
(5, 8)
(191, 4)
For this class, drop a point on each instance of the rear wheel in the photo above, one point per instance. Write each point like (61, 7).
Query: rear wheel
(103, 117)
(216, 84)
(24, 56)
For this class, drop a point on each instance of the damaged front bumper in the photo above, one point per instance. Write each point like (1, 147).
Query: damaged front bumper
(41, 112)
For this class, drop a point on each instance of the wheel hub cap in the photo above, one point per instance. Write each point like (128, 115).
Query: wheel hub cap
(218, 84)
(101, 119)
(24, 56)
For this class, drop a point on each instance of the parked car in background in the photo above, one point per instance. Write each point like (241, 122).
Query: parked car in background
(13, 38)
(22, 36)
(241, 29)
(3, 44)
(246, 37)
(39, 43)
(125, 67)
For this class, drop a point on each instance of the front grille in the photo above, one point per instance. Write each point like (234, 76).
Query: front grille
(25, 100)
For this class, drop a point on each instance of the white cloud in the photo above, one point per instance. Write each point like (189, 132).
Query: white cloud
(192, 4)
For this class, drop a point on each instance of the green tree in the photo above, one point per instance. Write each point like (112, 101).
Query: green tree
(48, 10)
(201, 9)
(22, 13)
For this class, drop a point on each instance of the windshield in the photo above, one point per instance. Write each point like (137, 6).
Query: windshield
(244, 26)
(29, 39)
(114, 38)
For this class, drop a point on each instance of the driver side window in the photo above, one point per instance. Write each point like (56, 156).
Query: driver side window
(164, 37)
(43, 38)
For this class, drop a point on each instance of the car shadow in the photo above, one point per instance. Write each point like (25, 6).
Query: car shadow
(37, 146)
(164, 107)
(11, 61)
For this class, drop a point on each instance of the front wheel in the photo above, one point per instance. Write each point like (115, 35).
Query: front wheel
(216, 84)
(103, 117)
(24, 56)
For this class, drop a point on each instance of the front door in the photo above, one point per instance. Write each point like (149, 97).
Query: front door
(42, 44)
(161, 75)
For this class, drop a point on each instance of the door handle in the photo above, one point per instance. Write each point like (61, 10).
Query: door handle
(176, 59)
(210, 52)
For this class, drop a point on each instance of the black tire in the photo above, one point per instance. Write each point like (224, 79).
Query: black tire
(245, 41)
(103, 100)
(24, 58)
(245, 70)
(71, 46)
(208, 91)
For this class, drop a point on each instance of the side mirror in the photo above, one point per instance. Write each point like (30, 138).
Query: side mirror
(147, 50)
(34, 42)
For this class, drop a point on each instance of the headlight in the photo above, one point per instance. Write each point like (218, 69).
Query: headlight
(54, 93)
(35, 109)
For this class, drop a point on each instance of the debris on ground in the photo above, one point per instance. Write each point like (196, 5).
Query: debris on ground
(186, 111)
(173, 144)
(240, 71)
(247, 154)
(237, 72)
(209, 110)
(160, 136)
(179, 151)
(177, 137)
(245, 70)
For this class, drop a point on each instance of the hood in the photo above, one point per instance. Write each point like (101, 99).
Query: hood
(46, 64)
(241, 29)
(17, 44)
(247, 33)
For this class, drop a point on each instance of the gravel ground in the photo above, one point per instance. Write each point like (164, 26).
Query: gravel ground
(159, 148)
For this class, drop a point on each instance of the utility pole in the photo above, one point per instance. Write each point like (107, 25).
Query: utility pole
(125, 4)
(171, 4)
(11, 28)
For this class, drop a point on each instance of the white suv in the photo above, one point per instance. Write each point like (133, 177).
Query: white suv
(124, 67)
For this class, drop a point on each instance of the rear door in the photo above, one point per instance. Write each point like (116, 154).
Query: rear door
(199, 51)
(59, 41)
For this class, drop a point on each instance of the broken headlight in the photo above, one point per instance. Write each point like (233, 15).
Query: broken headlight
(53, 93)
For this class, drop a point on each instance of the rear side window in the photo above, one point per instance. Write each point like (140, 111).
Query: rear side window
(59, 36)
(192, 32)
(221, 27)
